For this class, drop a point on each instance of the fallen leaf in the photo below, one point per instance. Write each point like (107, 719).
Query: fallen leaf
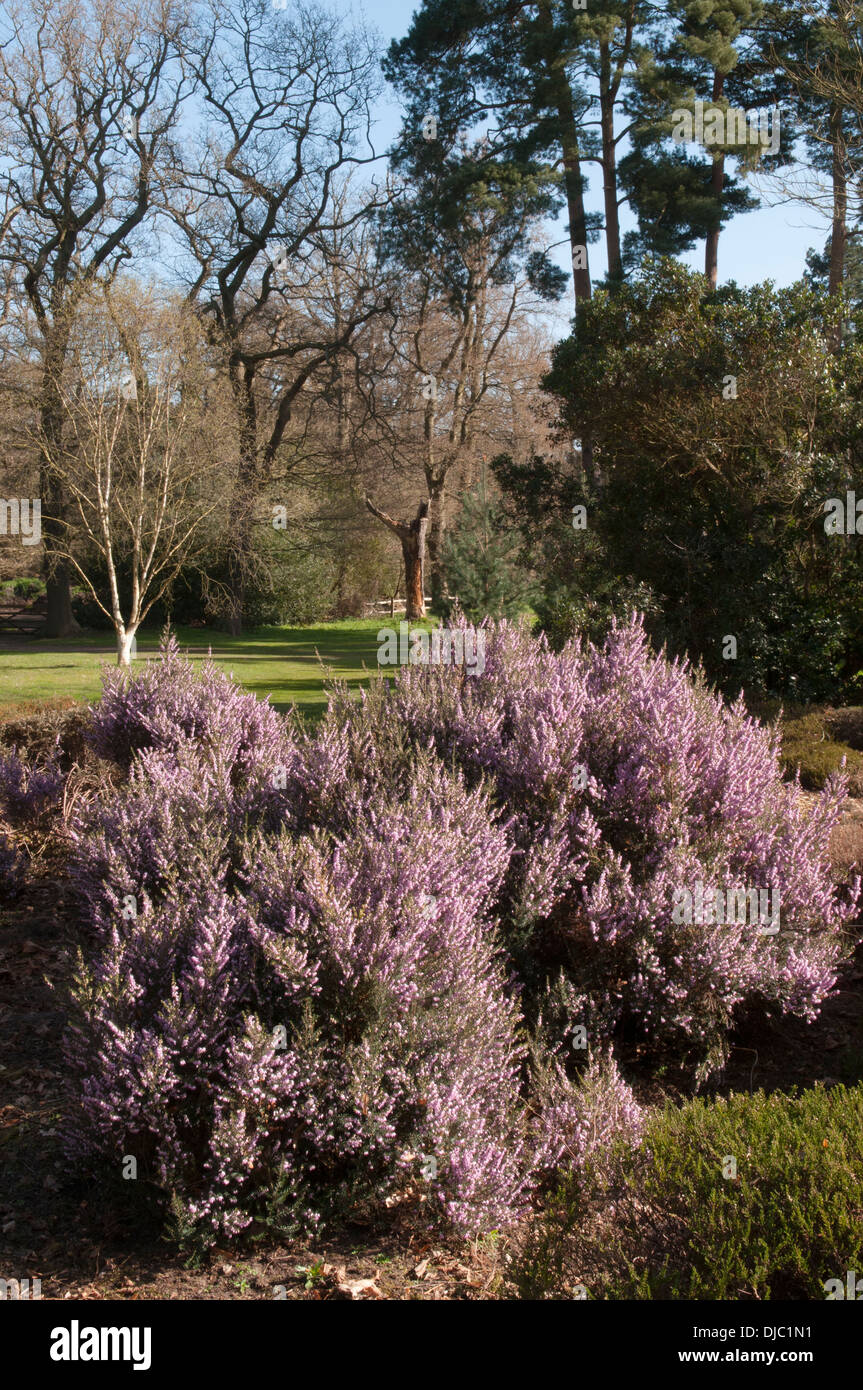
(350, 1288)
(360, 1288)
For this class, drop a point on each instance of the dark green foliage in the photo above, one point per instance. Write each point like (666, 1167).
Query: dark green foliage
(28, 588)
(480, 558)
(812, 746)
(790, 1220)
(696, 55)
(721, 425)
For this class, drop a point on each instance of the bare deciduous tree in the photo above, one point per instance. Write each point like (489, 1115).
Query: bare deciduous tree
(88, 92)
(140, 460)
(286, 107)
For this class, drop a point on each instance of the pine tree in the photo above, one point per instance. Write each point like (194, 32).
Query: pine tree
(683, 197)
(819, 266)
(818, 54)
(480, 557)
(543, 78)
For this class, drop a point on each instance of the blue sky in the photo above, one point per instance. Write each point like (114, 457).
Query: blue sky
(769, 244)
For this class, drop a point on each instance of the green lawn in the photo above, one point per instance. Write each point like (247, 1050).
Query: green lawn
(290, 664)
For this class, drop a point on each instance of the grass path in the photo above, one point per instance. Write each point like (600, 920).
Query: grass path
(282, 662)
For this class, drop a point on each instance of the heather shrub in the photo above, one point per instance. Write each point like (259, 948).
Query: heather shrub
(278, 1020)
(627, 780)
(581, 1120)
(338, 968)
(54, 732)
(788, 1221)
(170, 701)
(169, 825)
(28, 790)
(676, 1219)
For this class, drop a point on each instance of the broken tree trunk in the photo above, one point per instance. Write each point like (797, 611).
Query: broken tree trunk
(412, 535)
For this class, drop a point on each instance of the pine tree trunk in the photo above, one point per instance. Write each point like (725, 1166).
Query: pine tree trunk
(609, 167)
(838, 235)
(717, 184)
(561, 96)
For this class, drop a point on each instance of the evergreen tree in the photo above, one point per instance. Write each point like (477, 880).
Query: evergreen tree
(682, 197)
(546, 78)
(818, 273)
(818, 57)
(481, 559)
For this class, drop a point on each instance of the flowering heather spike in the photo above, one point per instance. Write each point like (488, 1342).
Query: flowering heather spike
(307, 913)
(626, 779)
(169, 702)
(577, 1120)
(27, 791)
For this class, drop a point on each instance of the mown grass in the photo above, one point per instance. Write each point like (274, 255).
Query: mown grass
(290, 664)
(813, 742)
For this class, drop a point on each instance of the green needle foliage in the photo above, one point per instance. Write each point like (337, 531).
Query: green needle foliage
(669, 1225)
(791, 1219)
(481, 558)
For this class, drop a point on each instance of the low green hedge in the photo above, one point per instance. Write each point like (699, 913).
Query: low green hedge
(672, 1226)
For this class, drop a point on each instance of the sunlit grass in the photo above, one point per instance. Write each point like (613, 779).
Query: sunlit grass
(289, 664)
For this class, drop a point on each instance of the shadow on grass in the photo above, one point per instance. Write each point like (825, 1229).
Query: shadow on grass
(292, 666)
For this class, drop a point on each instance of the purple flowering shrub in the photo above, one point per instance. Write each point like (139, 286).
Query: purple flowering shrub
(626, 780)
(330, 968)
(169, 825)
(275, 1021)
(28, 790)
(31, 797)
(577, 1121)
(170, 702)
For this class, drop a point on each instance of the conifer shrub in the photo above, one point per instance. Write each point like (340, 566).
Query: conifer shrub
(812, 747)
